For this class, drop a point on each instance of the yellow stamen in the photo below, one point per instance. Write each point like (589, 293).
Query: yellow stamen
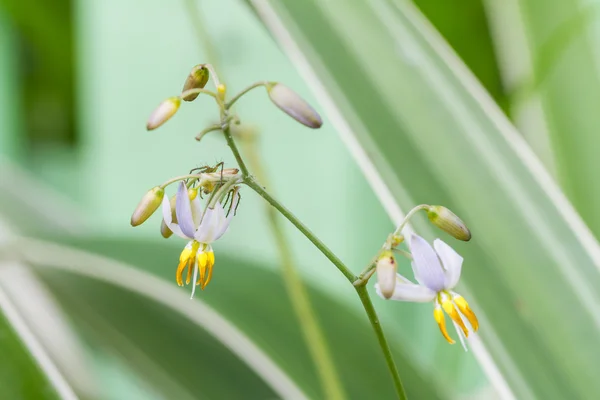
(192, 262)
(451, 311)
(464, 308)
(183, 261)
(438, 314)
(209, 268)
(202, 261)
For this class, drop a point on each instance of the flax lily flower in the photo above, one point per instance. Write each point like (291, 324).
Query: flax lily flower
(201, 229)
(437, 272)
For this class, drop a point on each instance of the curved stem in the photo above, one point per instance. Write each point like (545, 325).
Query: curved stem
(243, 92)
(251, 183)
(185, 94)
(215, 127)
(385, 347)
(236, 152)
(299, 297)
(409, 216)
(361, 289)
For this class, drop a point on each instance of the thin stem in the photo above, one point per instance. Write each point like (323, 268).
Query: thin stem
(309, 324)
(188, 92)
(215, 127)
(251, 183)
(236, 152)
(387, 353)
(243, 92)
(208, 176)
(409, 216)
(180, 178)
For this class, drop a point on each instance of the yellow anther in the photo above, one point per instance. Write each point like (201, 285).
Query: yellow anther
(209, 268)
(183, 261)
(202, 261)
(451, 311)
(438, 314)
(464, 308)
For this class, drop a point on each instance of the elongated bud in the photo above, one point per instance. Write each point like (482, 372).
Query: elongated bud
(163, 112)
(293, 105)
(197, 79)
(447, 221)
(386, 273)
(149, 203)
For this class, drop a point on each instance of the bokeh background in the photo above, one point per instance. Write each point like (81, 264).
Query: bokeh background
(489, 107)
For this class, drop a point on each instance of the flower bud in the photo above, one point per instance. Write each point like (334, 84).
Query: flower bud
(447, 221)
(293, 105)
(386, 273)
(164, 230)
(197, 79)
(163, 112)
(147, 206)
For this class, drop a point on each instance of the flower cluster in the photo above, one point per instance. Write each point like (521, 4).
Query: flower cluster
(186, 216)
(436, 269)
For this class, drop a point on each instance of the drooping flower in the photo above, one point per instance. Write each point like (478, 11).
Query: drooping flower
(202, 229)
(437, 271)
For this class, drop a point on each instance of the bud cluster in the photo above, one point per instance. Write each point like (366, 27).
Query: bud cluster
(283, 97)
(385, 263)
(201, 181)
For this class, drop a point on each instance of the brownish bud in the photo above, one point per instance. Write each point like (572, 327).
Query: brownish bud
(197, 79)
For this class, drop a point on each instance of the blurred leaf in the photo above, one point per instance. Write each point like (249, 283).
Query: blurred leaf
(20, 375)
(424, 131)
(464, 25)
(179, 357)
(562, 38)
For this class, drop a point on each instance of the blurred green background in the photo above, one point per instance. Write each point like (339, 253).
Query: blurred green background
(420, 102)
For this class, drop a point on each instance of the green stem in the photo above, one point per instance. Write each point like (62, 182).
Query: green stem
(361, 289)
(243, 92)
(251, 183)
(409, 216)
(385, 347)
(236, 152)
(309, 324)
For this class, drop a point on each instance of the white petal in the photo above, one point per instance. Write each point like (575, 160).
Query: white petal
(208, 228)
(409, 292)
(166, 209)
(183, 210)
(452, 262)
(197, 210)
(426, 264)
(223, 222)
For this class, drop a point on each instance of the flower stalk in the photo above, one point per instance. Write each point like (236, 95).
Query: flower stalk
(299, 297)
